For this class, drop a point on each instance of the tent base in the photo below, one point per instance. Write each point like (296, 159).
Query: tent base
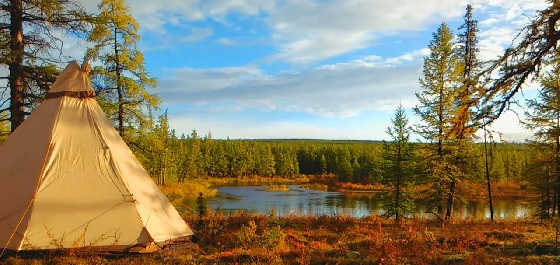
(150, 247)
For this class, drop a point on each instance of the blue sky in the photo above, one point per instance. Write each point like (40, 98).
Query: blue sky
(331, 69)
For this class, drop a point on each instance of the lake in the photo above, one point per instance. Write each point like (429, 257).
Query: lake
(299, 201)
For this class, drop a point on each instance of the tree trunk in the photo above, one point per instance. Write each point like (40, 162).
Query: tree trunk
(119, 87)
(488, 184)
(557, 160)
(440, 136)
(398, 190)
(554, 202)
(547, 201)
(17, 108)
(450, 199)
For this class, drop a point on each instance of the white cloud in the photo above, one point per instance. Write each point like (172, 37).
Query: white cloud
(226, 41)
(341, 90)
(263, 130)
(493, 41)
(153, 15)
(197, 34)
(504, 20)
(508, 128)
(489, 21)
(306, 31)
(310, 30)
(522, 5)
(409, 56)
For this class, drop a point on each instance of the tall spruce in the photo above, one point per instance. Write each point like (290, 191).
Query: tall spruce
(31, 48)
(323, 165)
(465, 99)
(344, 169)
(120, 77)
(467, 51)
(487, 173)
(544, 118)
(441, 76)
(192, 164)
(540, 174)
(398, 169)
(265, 164)
(160, 148)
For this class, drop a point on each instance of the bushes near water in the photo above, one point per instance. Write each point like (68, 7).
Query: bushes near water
(183, 195)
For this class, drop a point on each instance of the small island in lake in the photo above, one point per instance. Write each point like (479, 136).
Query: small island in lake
(276, 188)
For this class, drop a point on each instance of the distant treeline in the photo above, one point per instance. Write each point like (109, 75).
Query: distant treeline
(169, 157)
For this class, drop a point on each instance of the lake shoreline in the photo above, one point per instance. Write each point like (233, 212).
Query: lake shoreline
(183, 195)
(285, 200)
(469, 190)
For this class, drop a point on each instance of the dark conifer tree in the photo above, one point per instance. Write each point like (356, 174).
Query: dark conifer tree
(398, 170)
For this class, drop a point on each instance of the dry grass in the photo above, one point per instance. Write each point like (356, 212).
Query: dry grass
(258, 180)
(474, 191)
(274, 188)
(477, 191)
(183, 195)
(469, 190)
(349, 186)
(248, 239)
(314, 186)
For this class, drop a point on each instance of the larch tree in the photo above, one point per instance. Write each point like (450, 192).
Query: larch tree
(31, 36)
(192, 162)
(533, 47)
(467, 52)
(465, 98)
(398, 169)
(544, 118)
(344, 169)
(441, 76)
(540, 174)
(265, 162)
(160, 148)
(323, 165)
(120, 78)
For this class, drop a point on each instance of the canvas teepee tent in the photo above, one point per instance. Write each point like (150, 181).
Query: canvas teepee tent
(68, 180)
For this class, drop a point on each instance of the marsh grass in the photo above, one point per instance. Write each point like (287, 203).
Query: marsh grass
(259, 239)
(315, 186)
(276, 188)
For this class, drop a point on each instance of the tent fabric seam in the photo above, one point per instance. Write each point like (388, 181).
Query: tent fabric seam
(117, 171)
(114, 167)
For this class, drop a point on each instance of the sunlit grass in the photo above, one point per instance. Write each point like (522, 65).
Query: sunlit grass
(260, 239)
(283, 188)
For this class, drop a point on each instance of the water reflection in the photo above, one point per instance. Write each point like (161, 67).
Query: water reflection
(299, 201)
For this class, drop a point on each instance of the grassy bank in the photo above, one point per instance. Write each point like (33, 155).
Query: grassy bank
(183, 195)
(246, 239)
(467, 189)
(258, 180)
(477, 191)
(500, 190)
